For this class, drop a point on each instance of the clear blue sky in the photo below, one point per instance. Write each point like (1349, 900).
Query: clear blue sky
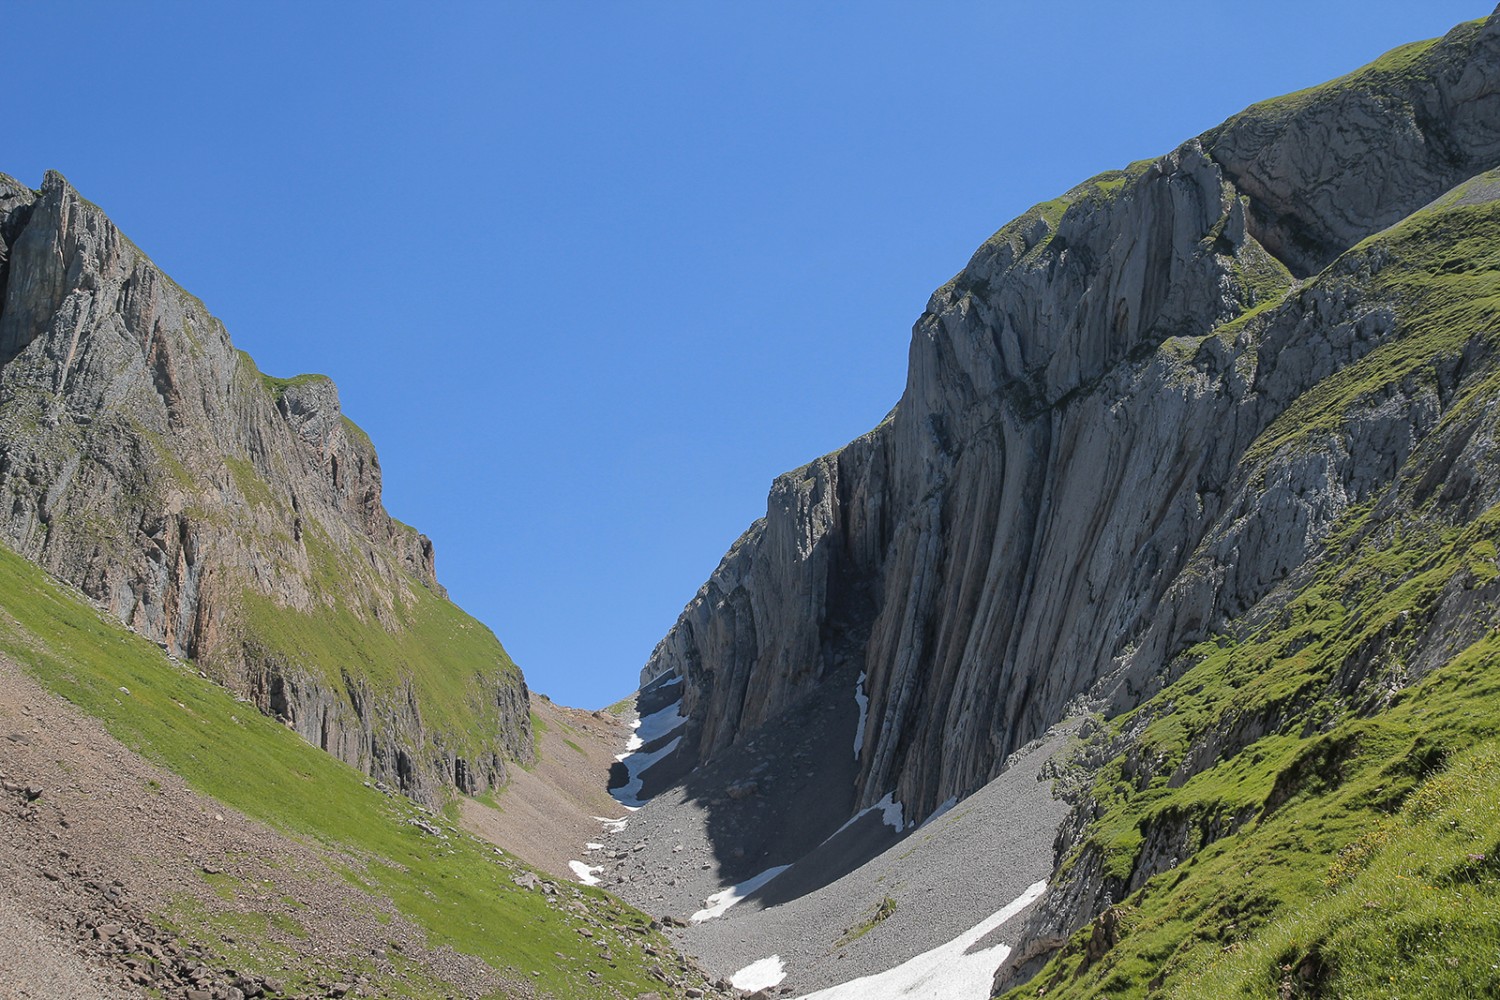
(592, 274)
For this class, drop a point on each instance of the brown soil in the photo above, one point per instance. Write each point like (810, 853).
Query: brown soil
(546, 814)
(100, 851)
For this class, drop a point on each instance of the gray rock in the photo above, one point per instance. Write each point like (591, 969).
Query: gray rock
(146, 461)
(1083, 477)
(1013, 541)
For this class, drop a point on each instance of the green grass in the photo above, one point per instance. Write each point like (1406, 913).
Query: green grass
(1332, 839)
(458, 889)
(1409, 909)
(251, 486)
(279, 386)
(1276, 838)
(1392, 73)
(1261, 278)
(362, 440)
(625, 704)
(1442, 270)
(1100, 188)
(883, 911)
(426, 644)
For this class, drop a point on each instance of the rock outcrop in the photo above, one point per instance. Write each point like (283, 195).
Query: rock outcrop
(1096, 462)
(235, 519)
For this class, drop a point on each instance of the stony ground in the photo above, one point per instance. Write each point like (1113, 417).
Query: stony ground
(546, 814)
(925, 888)
(103, 856)
(117, 881)
(827, 917)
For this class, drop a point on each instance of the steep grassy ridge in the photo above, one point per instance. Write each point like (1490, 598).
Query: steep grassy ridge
(232, 518)
(1310, 809)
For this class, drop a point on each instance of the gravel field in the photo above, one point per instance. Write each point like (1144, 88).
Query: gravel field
(695, 839)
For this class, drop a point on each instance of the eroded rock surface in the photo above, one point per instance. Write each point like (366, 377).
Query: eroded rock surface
(146, 461)
(1115, 439)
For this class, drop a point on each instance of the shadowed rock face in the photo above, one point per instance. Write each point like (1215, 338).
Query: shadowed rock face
(1061, 502)
(147, 462)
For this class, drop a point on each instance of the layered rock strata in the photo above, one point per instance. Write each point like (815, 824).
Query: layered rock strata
(1063, 500)
(234, 518)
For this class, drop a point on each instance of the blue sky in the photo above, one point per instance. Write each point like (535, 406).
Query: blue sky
(592, 274)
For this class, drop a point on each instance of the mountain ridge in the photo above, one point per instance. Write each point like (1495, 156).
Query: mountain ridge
(1135, 427)
(233, 518)
(969, 363)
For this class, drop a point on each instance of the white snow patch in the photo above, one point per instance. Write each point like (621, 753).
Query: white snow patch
(659, 684)
(892, 813)
(658, 724)
(760, 975)
(863, 701)
(716, 904)
(650, 728)
(613, 825)
(584, 872)
(950, 971)
(636, 765)
(940, 812)
(593, 847)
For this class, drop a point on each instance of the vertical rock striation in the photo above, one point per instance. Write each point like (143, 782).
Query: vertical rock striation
(1058, 505)
(233, 518)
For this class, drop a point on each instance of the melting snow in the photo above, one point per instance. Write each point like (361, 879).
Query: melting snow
(613, 825)
(636, 765)
(892, 814)
(650, 728)
(760, 975)
(716, 904)
(584, 872)
(950, 970)
(863, 700)
(593, 847)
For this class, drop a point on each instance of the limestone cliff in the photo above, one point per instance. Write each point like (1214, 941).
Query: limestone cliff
(1076, 485)
(234, 518)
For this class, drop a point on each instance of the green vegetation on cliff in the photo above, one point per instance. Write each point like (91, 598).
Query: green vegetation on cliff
(1310, 808)
(457, 888)
(427, 645)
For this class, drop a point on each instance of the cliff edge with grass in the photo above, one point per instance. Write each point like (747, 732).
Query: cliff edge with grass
(233, 518)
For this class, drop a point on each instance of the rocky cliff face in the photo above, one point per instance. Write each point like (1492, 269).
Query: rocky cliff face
(1097, 459)
(234, 518)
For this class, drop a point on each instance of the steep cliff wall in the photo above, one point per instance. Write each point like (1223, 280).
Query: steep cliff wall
(1254, 823)
(1058, 506)
(234, 518)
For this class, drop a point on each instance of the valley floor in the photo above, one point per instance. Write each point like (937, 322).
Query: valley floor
(547, 812)
(857, 899)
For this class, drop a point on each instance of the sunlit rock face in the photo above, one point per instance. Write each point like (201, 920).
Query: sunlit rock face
(146, 461)
(1070, 492)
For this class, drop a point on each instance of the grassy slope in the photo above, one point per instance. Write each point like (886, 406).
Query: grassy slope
(458, 889)
(448, 658)
(1391, 73)
(451, 661)
(1353, 850)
